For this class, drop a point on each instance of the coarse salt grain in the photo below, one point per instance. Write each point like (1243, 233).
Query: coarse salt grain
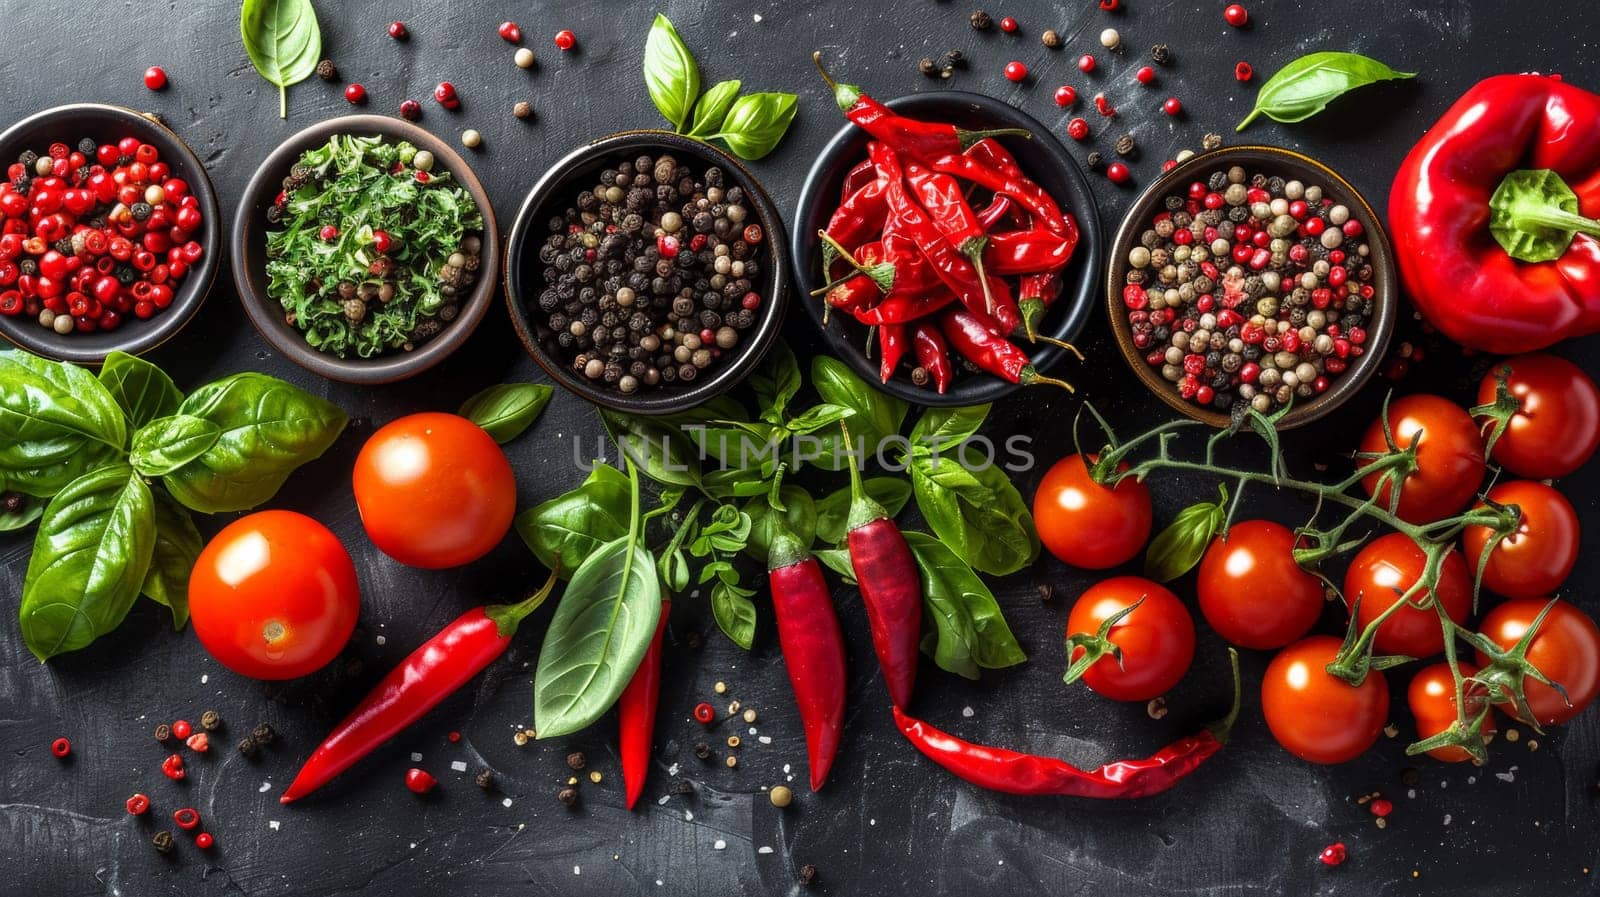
(967, 711)
(763, 849)
(265, 787)
(688, 816)
(506, 802)
(272, 824)
(383, 640)
(416, 757)
(577, 870)
(756, 18)
(672, 770)
(458, 766)
(719, 844)
(204, 678)
(662, 800)
(765, 739)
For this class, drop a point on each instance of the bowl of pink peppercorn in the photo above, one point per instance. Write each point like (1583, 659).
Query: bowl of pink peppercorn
(108, 229)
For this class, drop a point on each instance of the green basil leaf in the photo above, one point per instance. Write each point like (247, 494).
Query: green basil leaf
(837, 560)
(969, 630)
(818, 416)
(57, 422)
(756, 123)
(674, 570)
(660, 452)
(269, 428)
(1175, 550)
(776, 381)
(736, 482)
(1305, 86)
(876, 416)
(564, 531)
(597, 637)
(834, 510)
(712, 109)
(168, 443)
(178, 544)
(283, 41)
(754, 445)
(144, 391)
(735, 613)
(89, 560)
(721, 408)
(506, 410)
(942, 429)
(799, 514)
(978, 513)
(670, 73)
(24, 516)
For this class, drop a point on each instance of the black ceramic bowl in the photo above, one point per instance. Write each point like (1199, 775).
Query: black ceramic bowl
(1041, 157)
(108, 124)
(1268, 160)
(249, 244)
(555, 192)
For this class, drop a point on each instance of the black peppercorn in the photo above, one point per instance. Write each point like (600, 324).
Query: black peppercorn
(250, 748)
(1211, 141)
(163, 733)
(568, 797)
(980, 21)
(576, 760)
(1161, 54)
(87, 146)
(211, 721)
(1092, 160)
(263, 733)
(682, 786)
(927, 67)
(163, 841)
(485, 779)
(326, 70)
(952, 59)
(702, 751)
(1125, 145)
(808, 874)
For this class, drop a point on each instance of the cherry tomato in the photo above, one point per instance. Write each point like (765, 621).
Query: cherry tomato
(1566, 649)
(1536, 558)
(1557, 424)
(274, 595)
(1252, 592)
(1086, 524)
(1315, 716)
(1432, 696)
(1157, 639)
(1384, 570)
(434, 490)
(1449, 457)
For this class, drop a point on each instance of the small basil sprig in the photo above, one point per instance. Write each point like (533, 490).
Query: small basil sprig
(283, 41)
(1176, 549)
(1307, 85)
(506, 410)
(751, 125)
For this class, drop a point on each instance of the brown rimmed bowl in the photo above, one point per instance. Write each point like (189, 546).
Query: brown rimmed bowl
(555, 191)
(1268, 160)
(249, 244)
(107, 124)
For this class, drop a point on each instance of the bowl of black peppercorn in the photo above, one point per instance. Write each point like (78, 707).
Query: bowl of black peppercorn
(647, 272)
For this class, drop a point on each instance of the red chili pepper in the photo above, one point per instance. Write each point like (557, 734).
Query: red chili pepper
(1013, 772)
(891, 348)
(933, 354)
(919, 139)
(891, 586)
(636, 715)
(811, 641)
(996, 211)
(1028, 194)
(980, 344)
(1039, 292)
(1029, 251)
(427, 676)
(860, 217)
(856, 178)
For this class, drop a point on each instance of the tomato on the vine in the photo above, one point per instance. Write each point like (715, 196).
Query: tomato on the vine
(1251, 590)
(1536, 557)
(1316, 716)
(1087, 524)
(1432, 698)
(274, 595)
(1556, 426)
(1566, 649)
(434, 490)
(1383, 571)
(1449, 457)
(1156, 638)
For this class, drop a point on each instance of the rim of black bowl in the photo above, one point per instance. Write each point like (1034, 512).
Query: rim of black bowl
(1380, 325)
(248, 243)
(135, 336)
(519, 269)
(1064, 320)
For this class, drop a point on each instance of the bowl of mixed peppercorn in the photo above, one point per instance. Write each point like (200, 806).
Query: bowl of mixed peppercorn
(646, 272)
(1252, 278)
(109, 233)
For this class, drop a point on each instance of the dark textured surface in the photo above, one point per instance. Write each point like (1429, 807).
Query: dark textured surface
(888, 822)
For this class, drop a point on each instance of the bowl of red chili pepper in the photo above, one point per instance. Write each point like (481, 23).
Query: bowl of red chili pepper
(92, 207)
(951, 246)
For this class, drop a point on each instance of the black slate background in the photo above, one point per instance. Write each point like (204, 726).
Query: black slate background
(888, 822)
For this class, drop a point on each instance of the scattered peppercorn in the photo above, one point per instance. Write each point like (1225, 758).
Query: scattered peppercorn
(1243, 71)
(1161, 54)
(1236, 15)
(576, 760)
(199, 742)
(204, 841)
(953, 59)
(398, 31)
(1008, 25)
(1110, 5)
(327, 71)
(250, 748)
(510, 33)
(410, 110)
(1047, 593)
(471, 139)
(211, 721)
(61, 748)
(1381, 807)
(172, 767)
(155, 78)
(1118, 173)
(1066, 95)
(702, 750)
(732, 761)
(1050, 38)
(1172, 106)
(1103, 105)
(12, 502)
(1016, 71)
(1333, 854)
(1410, 777)
(485, 779)
(704, 713)
(808, 874)
(355, 94)
(1078, 129)
(187, 818)
(928, 68)
(1145, 74)
(138, 805)
(733, 741)
(594, 776)
(524, 58)
(1093, 160)
(420, 781)
(163, 841)
(781, 796)
(750, 715)
(163, 733)
(566, 40)
(568, 796)
(682, 786)
(523, 109)
(1211, 142)
(1086, 63)
(980, 21)
(1125, 145)
(1157, 708)
(181, 729)
(1110, 39)
(263, 733)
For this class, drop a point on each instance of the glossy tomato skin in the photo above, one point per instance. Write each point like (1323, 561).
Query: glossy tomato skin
(1557, 425)
(1536, 558)
(1315, 716)
(1251, 590)
(1086, 524)
(274, 595)
(434, 490)
(1566, 649)
(1387, 567)
(1432, 698)
(1449, 456)
(1157, 639)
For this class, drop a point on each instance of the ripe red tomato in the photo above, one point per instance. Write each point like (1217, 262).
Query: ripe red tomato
(1157, 639)
(1251, 590)
(1432, 696)
(1557, 425)
(1566, 649)
(1086, 524)
(1449, 456)
(1315, 716)
(434, 490)
(274, 595)
(1537, 557)
(1385, 569)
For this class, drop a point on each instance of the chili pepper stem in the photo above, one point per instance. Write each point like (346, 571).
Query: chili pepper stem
(1058, 343)
(1222, 728)
(863, 510)
(507, 617)
(1031, 377)
(845, 95)
(882, 274)
(1097, 646)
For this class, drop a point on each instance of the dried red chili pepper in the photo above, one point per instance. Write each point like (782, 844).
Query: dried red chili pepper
(941, 197)
(1039, 292)
(980, 344)
(995, 212)
(933, 354)
(1031, 251)
(856, 178)
(860, 217)
(427, 676)
(636, 715)
(922, 139)
(903, 307)
(891, 587)
(811, 641)
(1014, 772)
(891, 348)
(1028, 194)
